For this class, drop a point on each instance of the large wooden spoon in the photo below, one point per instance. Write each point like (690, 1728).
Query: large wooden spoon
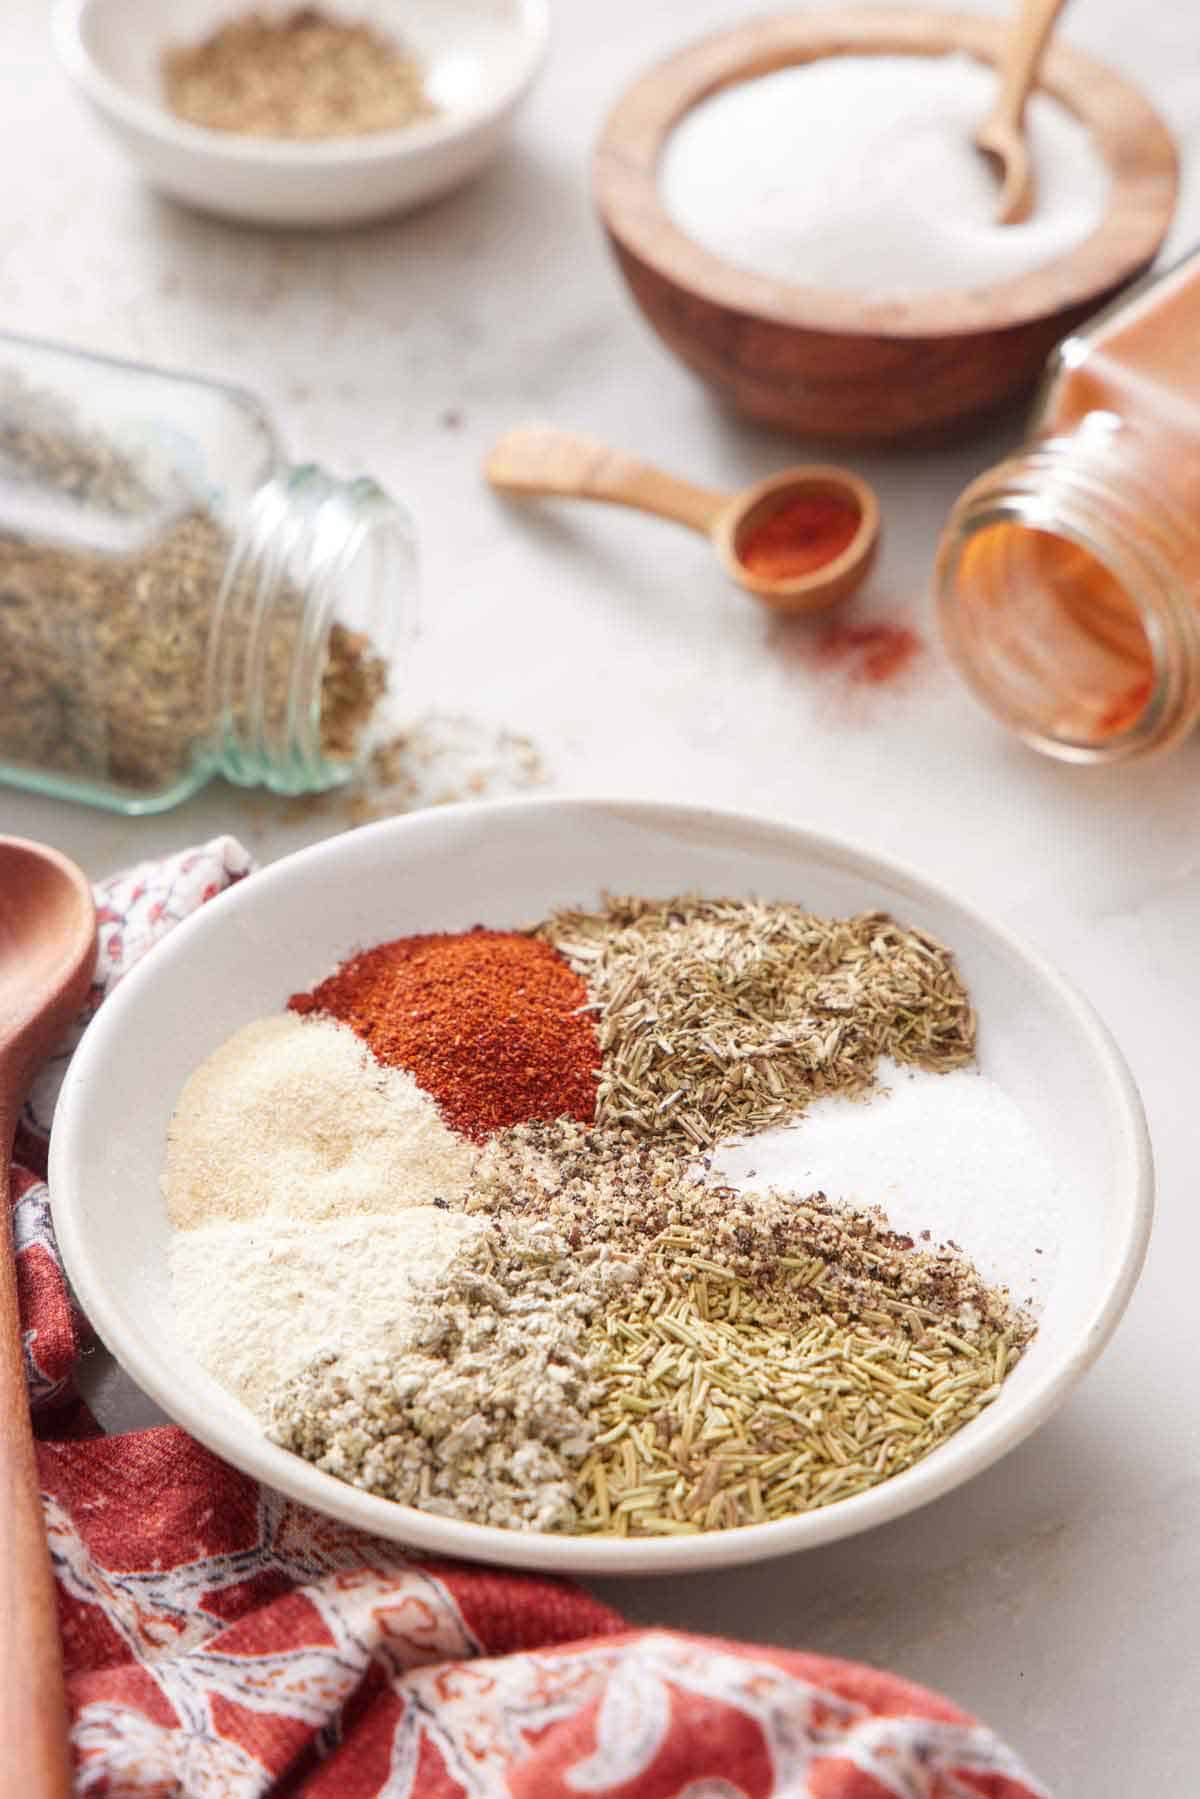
(1001, 137)
(47, 954)
(537, 459)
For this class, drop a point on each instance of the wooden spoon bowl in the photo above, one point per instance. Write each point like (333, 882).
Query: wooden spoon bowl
(833, 581)
(47, 952)
(838, 364)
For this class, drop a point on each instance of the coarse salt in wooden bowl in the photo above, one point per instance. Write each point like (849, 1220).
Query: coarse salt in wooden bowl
(840, 364)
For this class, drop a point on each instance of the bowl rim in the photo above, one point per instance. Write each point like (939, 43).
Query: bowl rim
(1130, 134)
(157, 122)
(986, 1440)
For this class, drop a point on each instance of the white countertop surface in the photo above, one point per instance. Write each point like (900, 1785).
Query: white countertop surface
(1058, 1596)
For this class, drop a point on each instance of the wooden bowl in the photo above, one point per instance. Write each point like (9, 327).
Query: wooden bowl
(839, 364)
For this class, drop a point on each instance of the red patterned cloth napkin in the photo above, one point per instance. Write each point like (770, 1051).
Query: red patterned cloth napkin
(224, 1643)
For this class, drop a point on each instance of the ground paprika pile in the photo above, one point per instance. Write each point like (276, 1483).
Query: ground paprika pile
(488, 1022)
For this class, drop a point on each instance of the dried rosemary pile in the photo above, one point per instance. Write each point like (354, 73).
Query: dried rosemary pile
(734, 1402)
(720, 1017)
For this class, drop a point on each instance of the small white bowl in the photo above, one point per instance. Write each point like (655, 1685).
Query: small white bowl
(505, 864)
(480, 59)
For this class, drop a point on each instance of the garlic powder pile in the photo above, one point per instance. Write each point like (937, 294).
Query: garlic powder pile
(294, 1118)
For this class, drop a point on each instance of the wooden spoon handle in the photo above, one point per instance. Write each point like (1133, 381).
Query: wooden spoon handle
(536, 459)
(34, 1754)
(1026, 42)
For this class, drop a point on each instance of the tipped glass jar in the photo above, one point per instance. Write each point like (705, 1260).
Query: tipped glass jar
(1069, 576)
(176, 600)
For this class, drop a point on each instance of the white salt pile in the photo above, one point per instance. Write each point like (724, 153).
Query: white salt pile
(950, 1154)
(293, 1117)
(858, 172)
(256, 1302)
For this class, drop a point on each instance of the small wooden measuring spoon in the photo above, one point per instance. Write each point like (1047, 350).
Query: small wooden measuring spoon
(1001, 137)
(47, 953)
(540, 460)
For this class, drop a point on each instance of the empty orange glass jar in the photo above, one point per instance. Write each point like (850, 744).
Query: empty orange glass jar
(1069, 576)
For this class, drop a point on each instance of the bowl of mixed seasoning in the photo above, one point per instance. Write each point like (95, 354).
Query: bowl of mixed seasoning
(305, 115)
(600, 1186)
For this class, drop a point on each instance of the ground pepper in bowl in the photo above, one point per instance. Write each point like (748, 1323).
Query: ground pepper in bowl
(491, 1023)
(305, 75)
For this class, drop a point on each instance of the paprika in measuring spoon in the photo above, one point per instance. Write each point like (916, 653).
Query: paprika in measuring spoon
(804, 534)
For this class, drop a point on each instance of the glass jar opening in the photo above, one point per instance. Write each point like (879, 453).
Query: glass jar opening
(362, 577)
(318, 598)
(1055, 636)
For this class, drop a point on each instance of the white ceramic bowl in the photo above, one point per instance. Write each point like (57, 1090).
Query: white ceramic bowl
(480, 58)
(507, 864)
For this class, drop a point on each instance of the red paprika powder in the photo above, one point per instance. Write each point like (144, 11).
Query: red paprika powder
(872, 654)
(805, 533)
(488, 1022)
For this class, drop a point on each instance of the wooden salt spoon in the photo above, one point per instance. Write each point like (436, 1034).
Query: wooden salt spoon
(47, 953)
(1001, 137)
(537, 459)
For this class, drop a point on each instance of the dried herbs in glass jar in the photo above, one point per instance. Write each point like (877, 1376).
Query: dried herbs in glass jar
(176, 601)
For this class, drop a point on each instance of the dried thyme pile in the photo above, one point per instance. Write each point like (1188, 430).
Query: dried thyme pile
(104, 653)
(719, 1017)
